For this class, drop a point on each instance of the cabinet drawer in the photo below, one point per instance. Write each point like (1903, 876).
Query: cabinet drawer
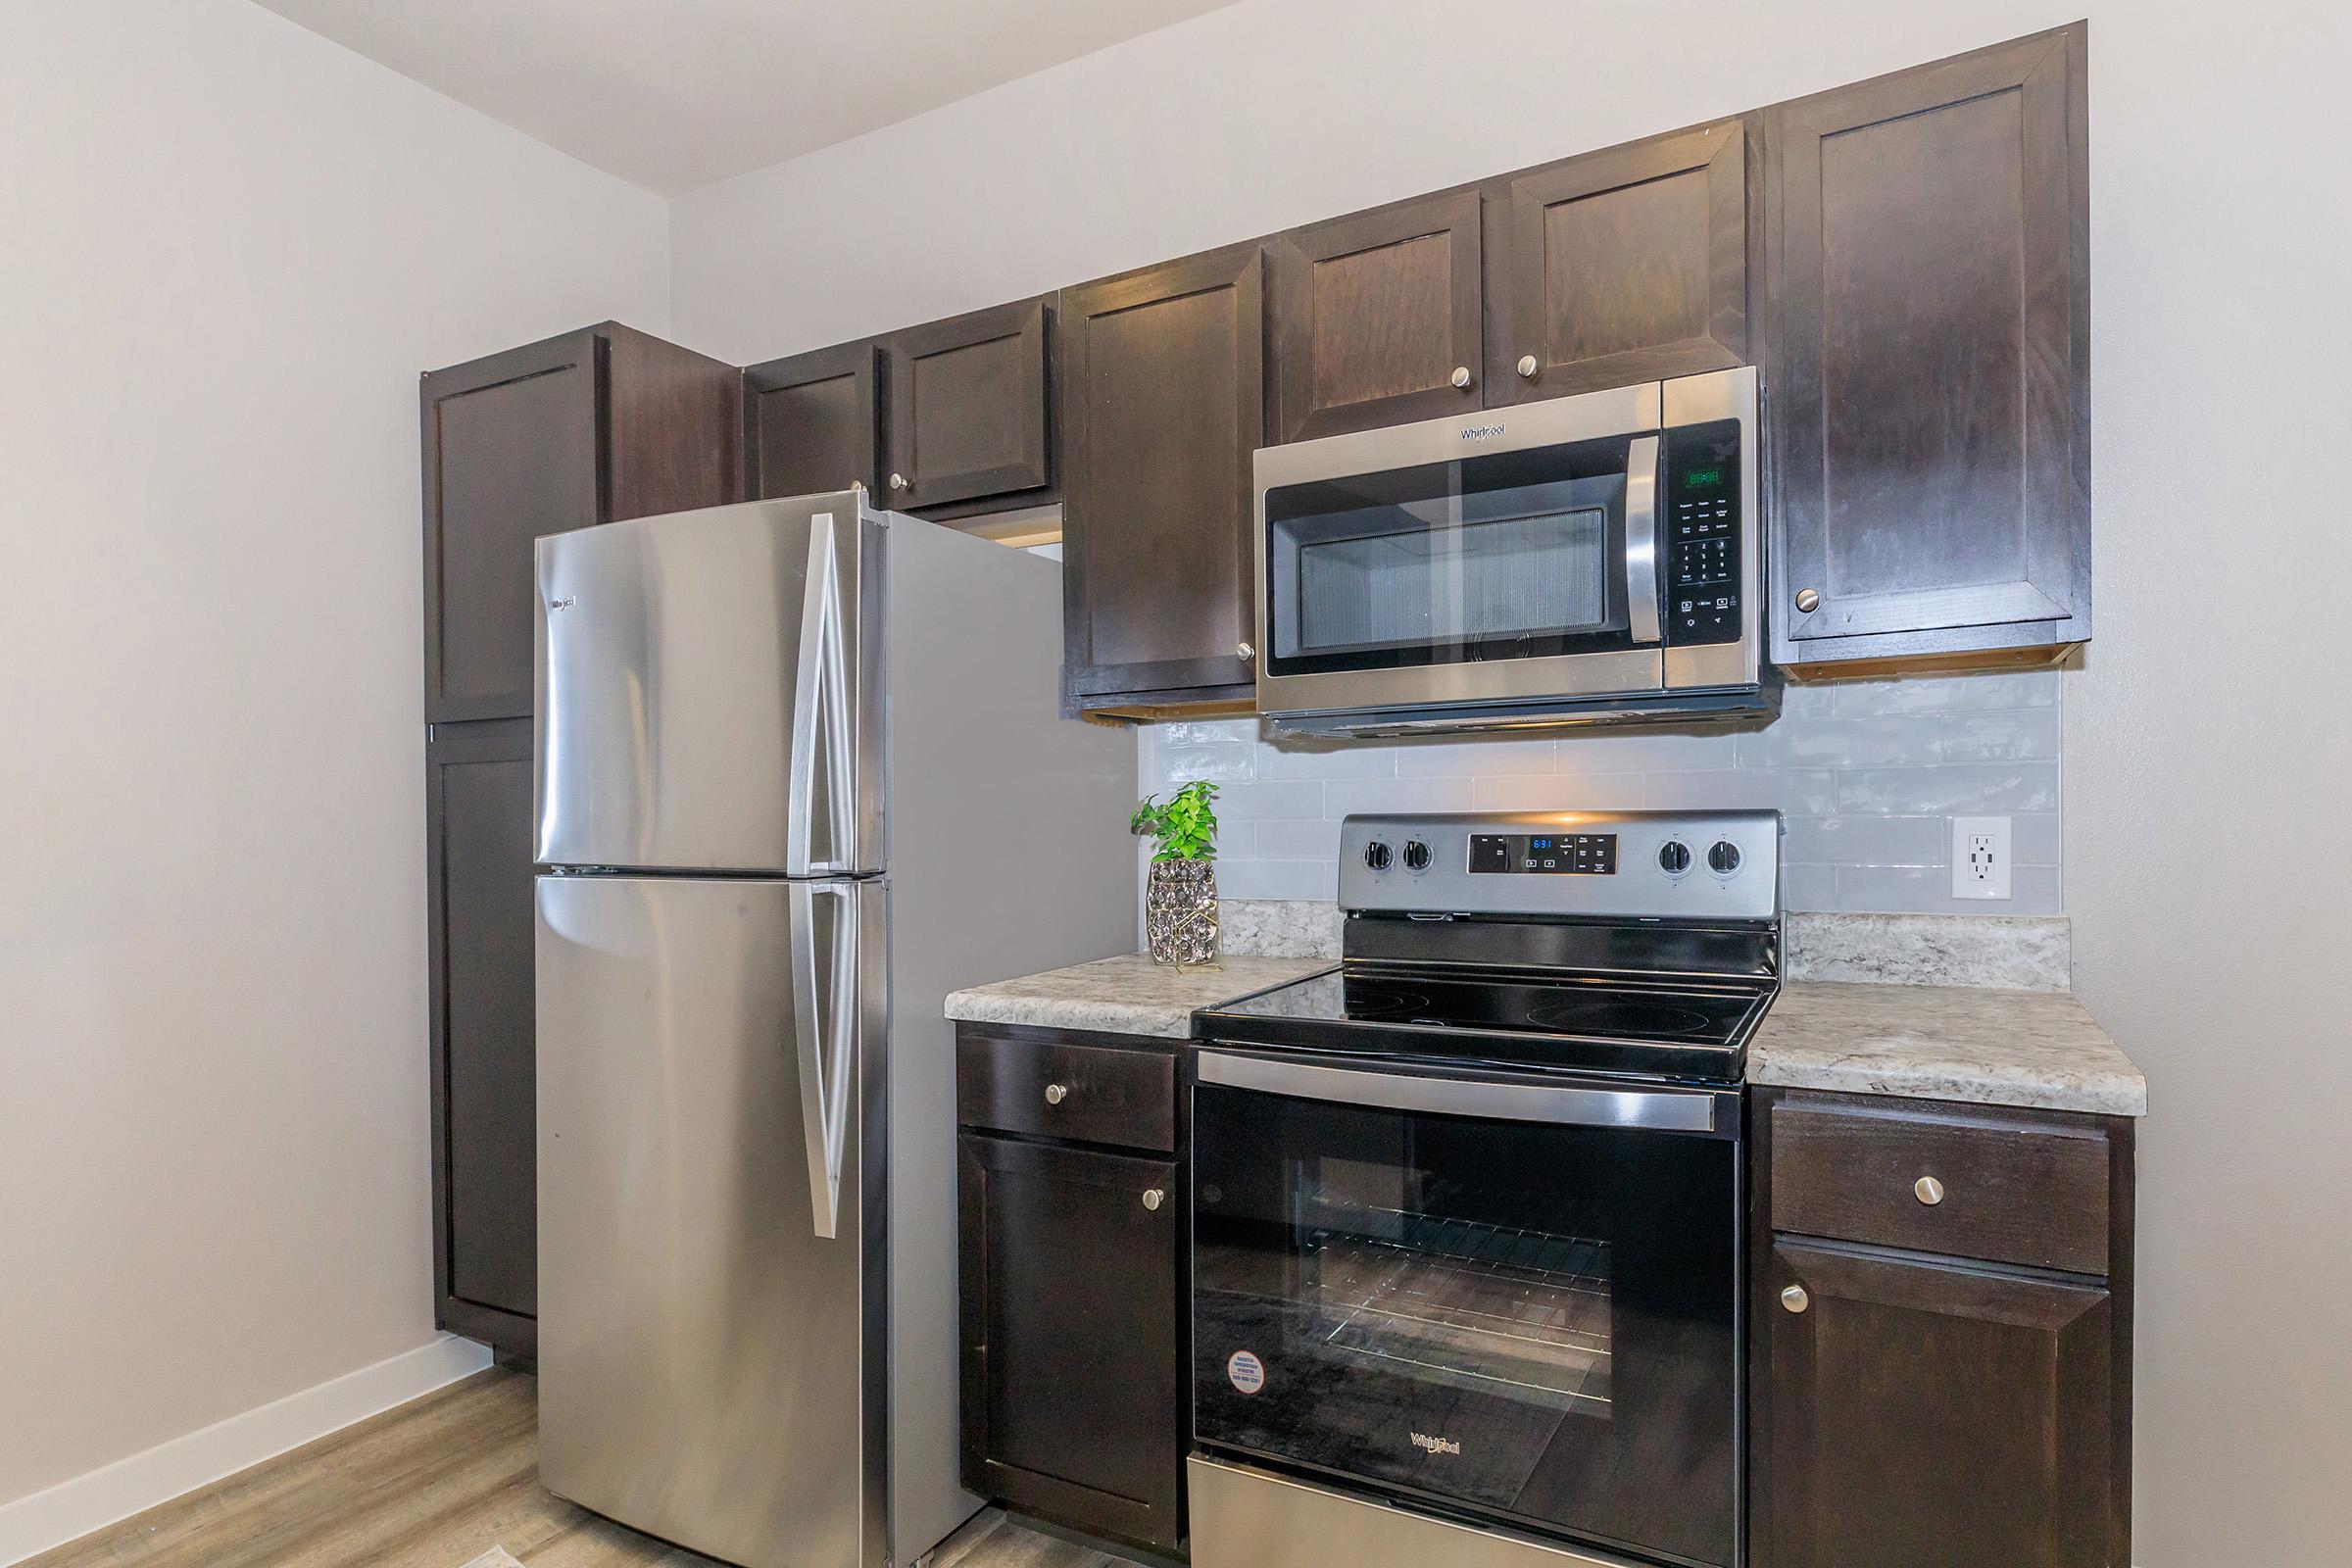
(2008, 1191)
(1055, 1089)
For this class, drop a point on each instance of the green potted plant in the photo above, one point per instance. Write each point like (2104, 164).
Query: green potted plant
(1180, 902)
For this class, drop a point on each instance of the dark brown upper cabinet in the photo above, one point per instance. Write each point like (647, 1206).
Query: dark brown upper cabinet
(811, 422)
(581, 429)
(968, 410)
(484, 1068)
(1162, 403)
(1376, 318)
(1930, 389)
(1629, 264)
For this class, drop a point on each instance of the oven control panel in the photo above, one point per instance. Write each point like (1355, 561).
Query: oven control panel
(1543, 853)
(1701, 529)
(1603, 864)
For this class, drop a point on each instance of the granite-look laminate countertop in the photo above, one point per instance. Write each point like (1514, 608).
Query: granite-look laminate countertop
(1127, 996)
(1992, 1048)
(1957, 1042)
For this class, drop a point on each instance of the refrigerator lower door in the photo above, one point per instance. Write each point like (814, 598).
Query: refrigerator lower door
(711, 1305)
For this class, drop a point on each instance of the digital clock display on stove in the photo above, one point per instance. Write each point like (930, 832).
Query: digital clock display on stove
(1543, 853)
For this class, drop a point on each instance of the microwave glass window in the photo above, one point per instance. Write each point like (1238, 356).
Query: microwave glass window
(1544, 573)
(1509, 556)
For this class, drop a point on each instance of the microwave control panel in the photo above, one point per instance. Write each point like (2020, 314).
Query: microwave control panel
(1701, 529)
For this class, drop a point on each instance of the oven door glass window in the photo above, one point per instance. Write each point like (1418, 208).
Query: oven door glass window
(1527, 1321)
(1517, 555)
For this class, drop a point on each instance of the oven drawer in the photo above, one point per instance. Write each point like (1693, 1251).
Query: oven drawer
(2005, 1187)
(1049, 1087)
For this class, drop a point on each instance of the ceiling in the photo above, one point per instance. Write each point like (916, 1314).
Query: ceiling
(677, 93)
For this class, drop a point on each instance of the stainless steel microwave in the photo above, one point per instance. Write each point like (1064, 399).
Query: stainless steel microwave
(1586, 559)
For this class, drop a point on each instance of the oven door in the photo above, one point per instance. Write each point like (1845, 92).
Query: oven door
(1506, 1297)
(1434, 564)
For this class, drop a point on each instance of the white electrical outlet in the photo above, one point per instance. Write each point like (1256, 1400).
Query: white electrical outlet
(1980, 858)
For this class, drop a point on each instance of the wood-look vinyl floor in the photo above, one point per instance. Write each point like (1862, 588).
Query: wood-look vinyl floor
(434, 1485)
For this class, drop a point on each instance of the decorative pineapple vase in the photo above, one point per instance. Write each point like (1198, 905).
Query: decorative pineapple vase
(1180, 913)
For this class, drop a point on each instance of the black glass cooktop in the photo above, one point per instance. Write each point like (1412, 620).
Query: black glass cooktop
(1564, 1022)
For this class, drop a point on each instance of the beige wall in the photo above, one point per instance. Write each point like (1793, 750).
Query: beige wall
(2204, 771)
(226, 247)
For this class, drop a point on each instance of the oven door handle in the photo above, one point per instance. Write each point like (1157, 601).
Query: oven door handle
(1642, 540)
(1672, 1111)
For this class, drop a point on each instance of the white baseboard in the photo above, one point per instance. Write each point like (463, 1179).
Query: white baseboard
(73, 1508)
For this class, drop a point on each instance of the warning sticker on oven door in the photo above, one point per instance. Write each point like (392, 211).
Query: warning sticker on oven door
(1245, 1371)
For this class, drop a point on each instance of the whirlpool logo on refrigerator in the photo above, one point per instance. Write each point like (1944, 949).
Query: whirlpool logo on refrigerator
(1429, 1445)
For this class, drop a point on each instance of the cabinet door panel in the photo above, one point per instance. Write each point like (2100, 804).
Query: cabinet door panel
(967, 407)
(1930, 403)
(1621, 266)
(511, 453)
(810, 420)
(1373, 315)
(1933, 1414)
(1163, 403)
(1071, 1405)
(479, 828)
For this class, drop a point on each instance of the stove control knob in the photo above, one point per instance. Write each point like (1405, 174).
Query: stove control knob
(1416, 855)
(1376, 855)
(1674, 858)
(1724, 858)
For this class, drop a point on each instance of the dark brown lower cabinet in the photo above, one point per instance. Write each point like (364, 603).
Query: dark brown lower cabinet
(1932, 1410)
(484, 1064)
(1073, 1394)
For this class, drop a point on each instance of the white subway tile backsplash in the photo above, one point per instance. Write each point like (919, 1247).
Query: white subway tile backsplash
(1868, 776)
(1350, 796)
(1465, 758)
(1278, 879)
(1253, 800)
(1948, 694)
(1318, 840)
(1326, 759)
(2016, 735)
(1955, 787)
(1845, 743)
(1928, 890)
(1868, 840)
(1812, 790)
(1220, 761)
(1589, 792)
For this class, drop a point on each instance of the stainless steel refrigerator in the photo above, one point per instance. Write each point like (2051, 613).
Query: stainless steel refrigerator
(800, 773)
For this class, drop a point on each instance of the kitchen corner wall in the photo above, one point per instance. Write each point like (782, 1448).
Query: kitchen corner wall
(1867, 775)
(227, 249)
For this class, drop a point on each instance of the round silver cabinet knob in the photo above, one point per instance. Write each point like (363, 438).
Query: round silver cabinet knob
(1795, 1298)
(898, 481)
(1153, 1198)
(1245, 650)
(1808, 600)
(1055, 1094)
(1527, 366)
(1461, 377)
(1927, 1189)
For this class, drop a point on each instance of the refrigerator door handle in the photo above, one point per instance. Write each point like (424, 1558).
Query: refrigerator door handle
(825, 1032)
(820, 718)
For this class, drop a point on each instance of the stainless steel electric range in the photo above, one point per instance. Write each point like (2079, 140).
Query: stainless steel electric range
(1466, 1249)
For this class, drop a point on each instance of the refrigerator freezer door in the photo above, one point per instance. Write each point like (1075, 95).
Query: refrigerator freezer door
(708, 685)
(711, 1154)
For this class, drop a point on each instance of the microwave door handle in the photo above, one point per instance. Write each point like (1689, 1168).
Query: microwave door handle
(1641, 539)
(1680, 1111)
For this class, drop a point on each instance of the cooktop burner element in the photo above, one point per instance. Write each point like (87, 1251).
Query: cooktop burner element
(1621, 1016)
(1649, 962)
